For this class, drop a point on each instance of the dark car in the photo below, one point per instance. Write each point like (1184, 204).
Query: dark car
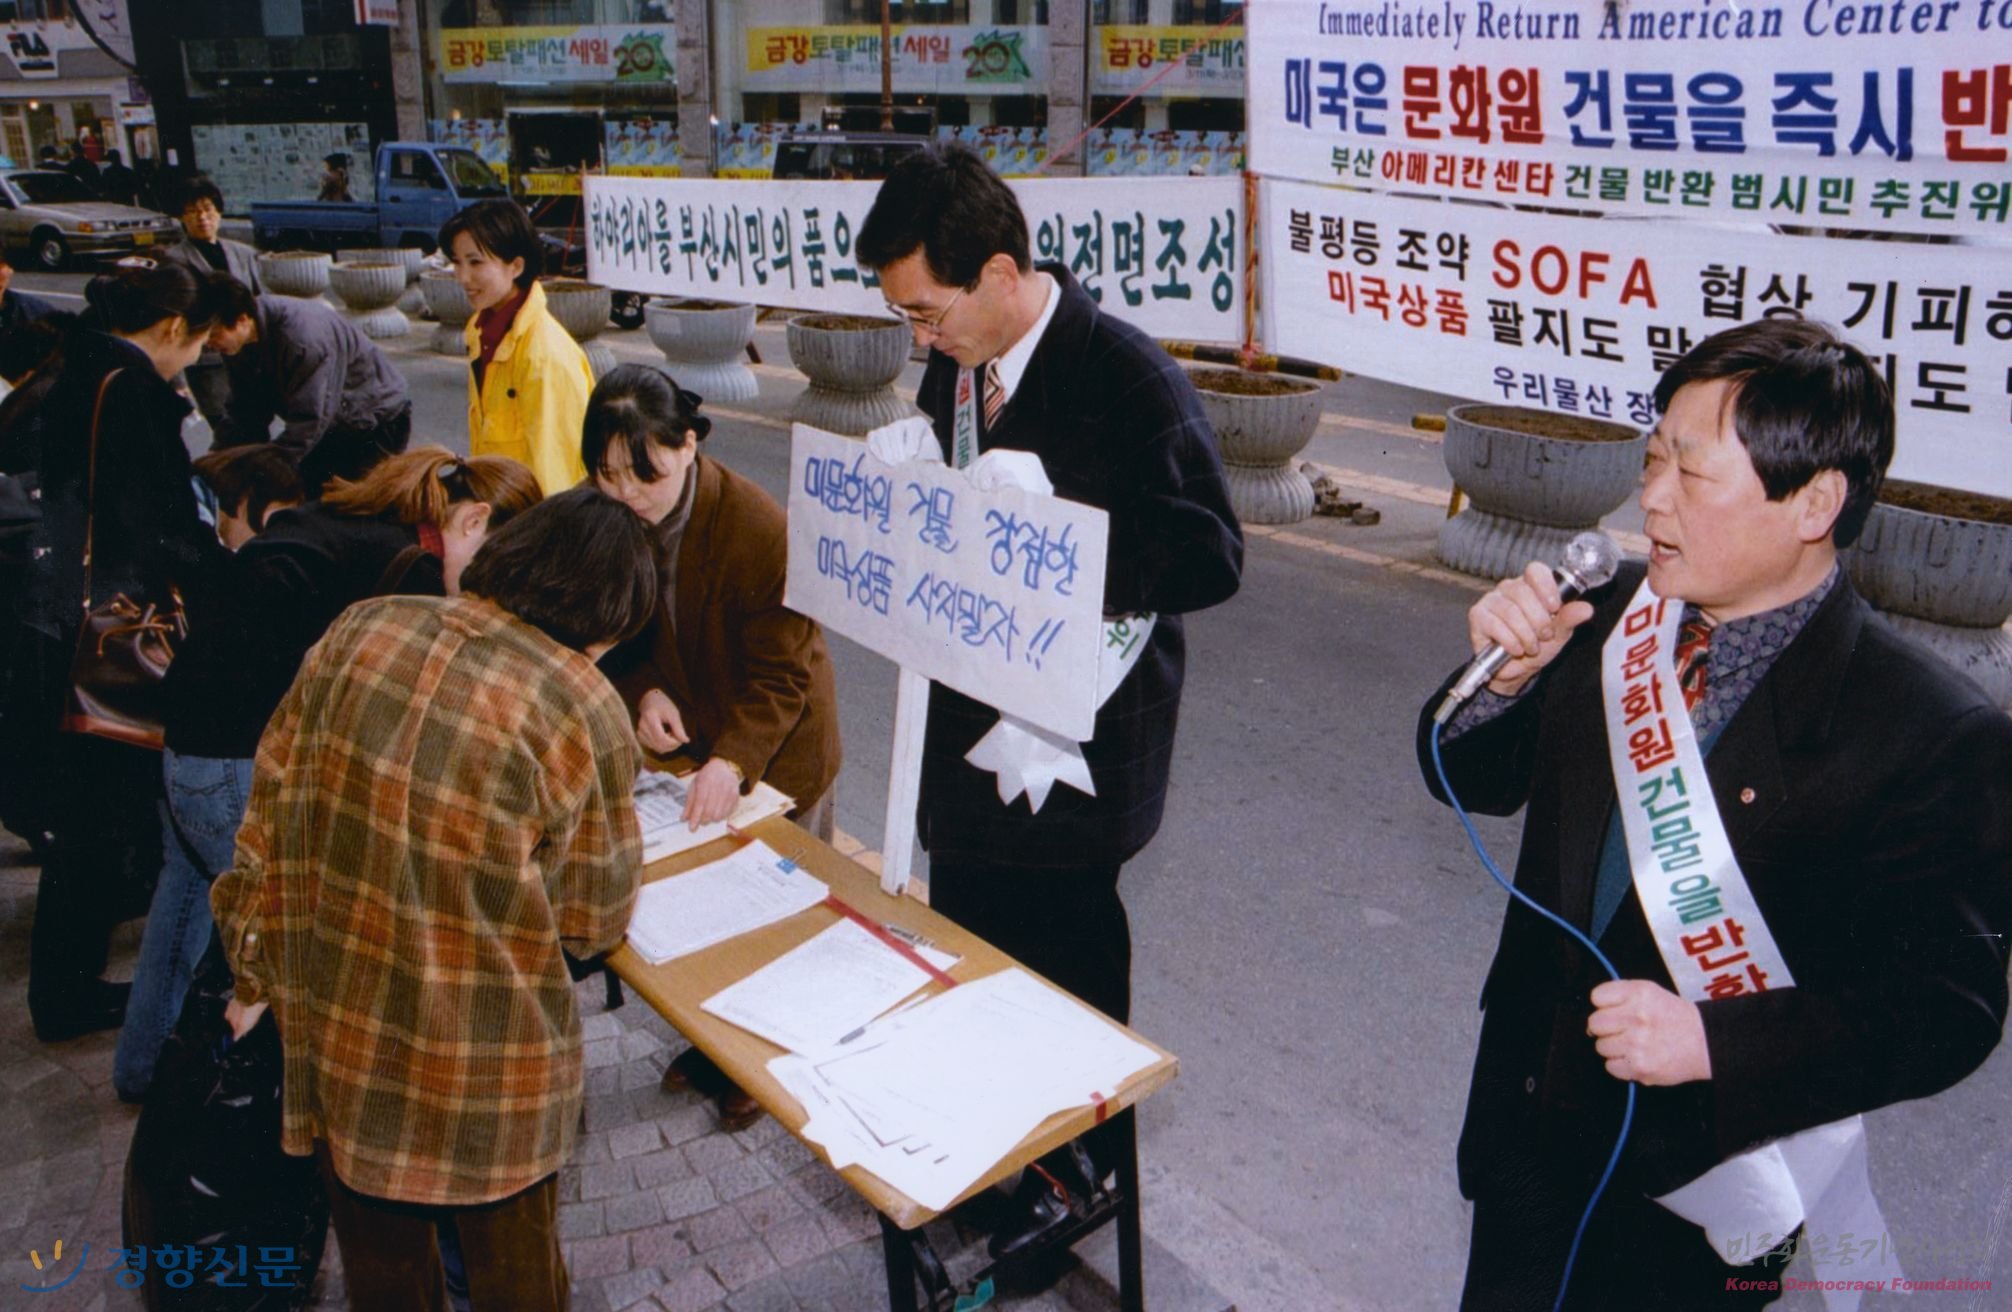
(831, 156)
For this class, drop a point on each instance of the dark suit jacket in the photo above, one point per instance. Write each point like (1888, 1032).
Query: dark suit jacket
(1117, 425)
(751, 678)
(1867, 789)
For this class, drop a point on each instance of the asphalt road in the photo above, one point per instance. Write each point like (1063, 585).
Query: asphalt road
(1310, 928)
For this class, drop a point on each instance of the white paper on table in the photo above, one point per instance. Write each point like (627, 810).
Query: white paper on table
(814, 995)
(931, 1097)
(660, 813)
(754, 886)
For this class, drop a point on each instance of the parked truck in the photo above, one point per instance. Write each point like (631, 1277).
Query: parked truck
(420, 186)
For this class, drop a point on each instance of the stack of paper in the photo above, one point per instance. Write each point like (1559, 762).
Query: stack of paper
(931, 1097)
(755, 886)
(814, 996)
(660, 811)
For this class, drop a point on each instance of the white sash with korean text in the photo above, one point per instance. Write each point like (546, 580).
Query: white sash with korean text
(1717, 944)
(1025, 758)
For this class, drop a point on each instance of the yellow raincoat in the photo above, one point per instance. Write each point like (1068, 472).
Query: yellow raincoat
(533, 397)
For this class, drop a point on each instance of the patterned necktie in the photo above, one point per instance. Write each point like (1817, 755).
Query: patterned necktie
(1694, 640)
(995, 395)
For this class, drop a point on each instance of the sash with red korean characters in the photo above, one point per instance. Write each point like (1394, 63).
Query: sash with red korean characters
(1716, 944)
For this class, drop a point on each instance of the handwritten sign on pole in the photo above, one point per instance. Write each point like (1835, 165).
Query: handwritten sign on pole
(997, 594)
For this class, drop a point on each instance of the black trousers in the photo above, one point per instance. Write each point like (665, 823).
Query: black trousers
(1066, 924)
(1637, 1255)
(349, 453)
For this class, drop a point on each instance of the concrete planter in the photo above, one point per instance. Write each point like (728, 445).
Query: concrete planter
(411, 257)
(370, 291)
(295, 273)
(450, 308)
(1939, 563)
(1261, 422)
(580, 307)
(852, 362)
(706, 344)
(600, 359)
(1535, 480)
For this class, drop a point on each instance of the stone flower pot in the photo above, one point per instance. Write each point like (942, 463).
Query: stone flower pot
(294, 273)
(410, 256)
(852, 361)
(1939, 563)
(371, 290)
(706, 343)
(1534, 480)
(450, 308)
(1261, 422)
(580, 307)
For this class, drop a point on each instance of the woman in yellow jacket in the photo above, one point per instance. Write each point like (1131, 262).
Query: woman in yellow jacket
(529, 380)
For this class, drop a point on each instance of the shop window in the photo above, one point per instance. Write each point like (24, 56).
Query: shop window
(1102, 108)
(1013, 13)
(1104, 13)
(918, 11)
(1215, 114)
(771, 107)
(1020, 111)
(1206, 13)
(34, 11)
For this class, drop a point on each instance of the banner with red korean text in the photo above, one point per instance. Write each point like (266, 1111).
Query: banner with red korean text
(1579, 315)
(1164, 254)
(1891, 115)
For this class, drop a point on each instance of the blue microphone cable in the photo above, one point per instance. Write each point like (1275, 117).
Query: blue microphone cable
(1495, 872)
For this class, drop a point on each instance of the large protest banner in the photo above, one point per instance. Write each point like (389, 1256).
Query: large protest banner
(1580, 315)
(997, 594)
(1165, 254)
(1867, 114)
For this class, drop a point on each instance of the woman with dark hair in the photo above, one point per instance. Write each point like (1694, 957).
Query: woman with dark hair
(137, 503)
(724, 673)
(410, 525)
(529, 379)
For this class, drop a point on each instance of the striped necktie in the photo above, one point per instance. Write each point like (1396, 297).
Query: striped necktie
(1694, 641)
(995, 395)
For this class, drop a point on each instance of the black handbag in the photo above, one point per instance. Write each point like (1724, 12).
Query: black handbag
(123, 646)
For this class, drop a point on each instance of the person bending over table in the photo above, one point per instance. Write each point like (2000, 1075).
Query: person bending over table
(724, 673)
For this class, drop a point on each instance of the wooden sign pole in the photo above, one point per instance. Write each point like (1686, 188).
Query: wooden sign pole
(904, 780)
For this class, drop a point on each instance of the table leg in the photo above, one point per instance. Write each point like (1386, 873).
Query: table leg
(900, 1257)
(1131, 1241)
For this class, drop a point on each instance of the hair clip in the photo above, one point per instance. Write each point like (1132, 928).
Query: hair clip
(447, 469)
(689, 401)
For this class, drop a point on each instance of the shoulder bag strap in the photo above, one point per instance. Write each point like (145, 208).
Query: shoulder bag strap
(91, 485)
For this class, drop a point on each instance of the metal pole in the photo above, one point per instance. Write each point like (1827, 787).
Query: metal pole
(886, 68)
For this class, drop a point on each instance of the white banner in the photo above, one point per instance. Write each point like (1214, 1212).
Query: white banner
(1872, 114)
(999, 595)
(1580, 315)
(928, 57)
(1164, 254)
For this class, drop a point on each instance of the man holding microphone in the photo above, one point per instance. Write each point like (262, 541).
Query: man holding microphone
(1789, 830)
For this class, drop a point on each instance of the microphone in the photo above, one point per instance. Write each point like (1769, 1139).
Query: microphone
(1590, 561)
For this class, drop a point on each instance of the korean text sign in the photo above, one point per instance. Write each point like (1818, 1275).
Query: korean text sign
(999, 595)
(1868, 114)
(1580, 315)
(1164, 254)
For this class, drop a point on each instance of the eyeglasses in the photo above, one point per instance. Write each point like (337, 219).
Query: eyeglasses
(932, 326)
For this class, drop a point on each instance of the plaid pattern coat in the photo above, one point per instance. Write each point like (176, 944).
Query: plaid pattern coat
(441, 800)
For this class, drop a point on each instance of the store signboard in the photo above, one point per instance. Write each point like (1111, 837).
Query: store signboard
(1580, 315)
(1130, 59)
(1164, 254)
(928, 57)
(630, 53)
(1829, 115)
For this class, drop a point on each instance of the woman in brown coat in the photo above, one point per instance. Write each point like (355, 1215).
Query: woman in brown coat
(724, 673)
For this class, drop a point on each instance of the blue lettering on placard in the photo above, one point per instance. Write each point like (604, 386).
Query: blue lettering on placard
(970, 616)
(868, 580)
(935, 505)
(1047, 558)
(845, 491)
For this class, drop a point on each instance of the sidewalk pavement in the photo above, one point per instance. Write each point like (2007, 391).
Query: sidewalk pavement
(660, 1210)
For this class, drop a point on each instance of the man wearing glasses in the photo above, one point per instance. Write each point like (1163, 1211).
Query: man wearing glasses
(1022, 359)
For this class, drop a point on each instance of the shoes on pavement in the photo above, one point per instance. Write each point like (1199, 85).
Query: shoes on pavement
(694, 1071)
(101, 1007)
